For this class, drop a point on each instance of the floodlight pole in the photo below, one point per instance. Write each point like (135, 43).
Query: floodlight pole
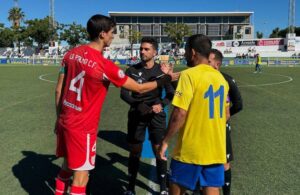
(52, 24)
(292, 6)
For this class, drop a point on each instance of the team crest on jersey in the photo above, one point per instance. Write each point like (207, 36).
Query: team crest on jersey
(121, 74)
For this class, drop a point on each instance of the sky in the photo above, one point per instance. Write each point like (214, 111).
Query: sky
(268, 14)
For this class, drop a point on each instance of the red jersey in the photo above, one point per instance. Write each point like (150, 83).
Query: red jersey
(87, 78)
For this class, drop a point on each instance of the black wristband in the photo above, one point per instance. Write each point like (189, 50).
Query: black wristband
(164, 80)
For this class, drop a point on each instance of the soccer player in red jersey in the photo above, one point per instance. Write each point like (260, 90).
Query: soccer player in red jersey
(80, 92)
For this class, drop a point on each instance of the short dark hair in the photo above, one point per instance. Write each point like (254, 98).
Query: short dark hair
(98, 23)
(150, 40)
(200, 43)
(218, 54)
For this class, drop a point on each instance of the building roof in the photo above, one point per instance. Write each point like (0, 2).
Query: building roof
(114, 13)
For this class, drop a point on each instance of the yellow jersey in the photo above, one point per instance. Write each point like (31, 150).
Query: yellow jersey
(258, 60)
(202, 91)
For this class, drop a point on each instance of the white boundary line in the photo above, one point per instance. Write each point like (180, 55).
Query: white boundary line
(290, 79)
(41, 77)
(22, 65)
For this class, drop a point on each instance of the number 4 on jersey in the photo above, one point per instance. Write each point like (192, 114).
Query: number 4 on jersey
(80, 78)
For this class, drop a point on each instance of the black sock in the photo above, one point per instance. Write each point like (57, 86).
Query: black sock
(227, 185)
(161, 171)
(133, 167)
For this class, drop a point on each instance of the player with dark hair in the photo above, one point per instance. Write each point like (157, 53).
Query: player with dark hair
(200, 116)
(146, 111)
(80, 92)
(236, 105)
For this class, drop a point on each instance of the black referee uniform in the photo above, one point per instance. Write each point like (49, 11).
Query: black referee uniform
(140, 115)
(236, 105)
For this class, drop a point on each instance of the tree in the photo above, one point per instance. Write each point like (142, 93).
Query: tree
(19, 35)
(177, 32)
(275, 33)
(134, 37)
(6, 37)
(281, 33)
(259, 35)
(297, 31)
(73, 34)
(38, 30)
(16, 15)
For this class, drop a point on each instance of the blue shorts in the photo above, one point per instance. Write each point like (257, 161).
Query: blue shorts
(187, 175)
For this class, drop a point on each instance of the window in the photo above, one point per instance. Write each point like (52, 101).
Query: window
(190, 19)
(145, 29)
(135, 27)
(213, 29)
(247, 19)
(121, 31)
(202, 29)
(163, 32)
(123, 19)
(156, 30)
(145, 19)
(213, 19)
(193, 28)
(134, 19)
(179, 19)
(248, 30)
(168, 19)
(202, 19)
(225, 29)
(156, 19)
(237, 19)
(225, 19)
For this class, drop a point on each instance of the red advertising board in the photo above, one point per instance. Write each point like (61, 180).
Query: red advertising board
(270, 42)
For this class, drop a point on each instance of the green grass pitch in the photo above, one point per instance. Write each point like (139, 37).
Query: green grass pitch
(265, 135)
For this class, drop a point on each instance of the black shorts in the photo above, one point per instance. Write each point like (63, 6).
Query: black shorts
(137, 125)
(229, 153)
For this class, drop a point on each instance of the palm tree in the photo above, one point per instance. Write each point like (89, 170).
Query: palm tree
(275, 33)
(16, 15)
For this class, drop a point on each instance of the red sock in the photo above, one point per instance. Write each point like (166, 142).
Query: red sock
(62, 182)
(77, 190)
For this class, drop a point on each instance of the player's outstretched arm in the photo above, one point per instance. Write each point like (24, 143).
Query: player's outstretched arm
(132, 85)
(176, 122)
(168, 69)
